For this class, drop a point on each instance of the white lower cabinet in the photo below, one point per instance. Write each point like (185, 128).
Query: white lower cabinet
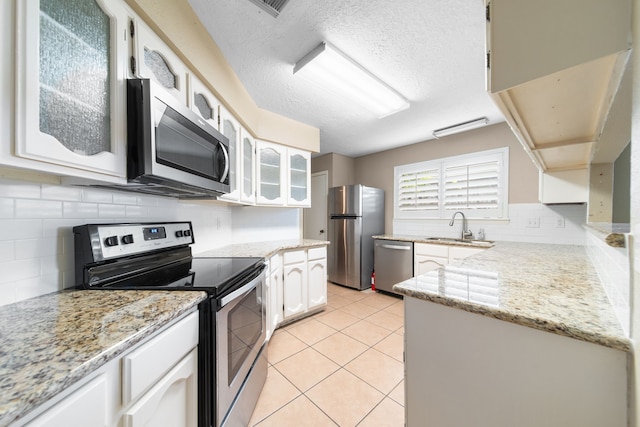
(86, 406)
(154, 384)
(275, 294)
(427, 257)
(301, 288)
(172, 402)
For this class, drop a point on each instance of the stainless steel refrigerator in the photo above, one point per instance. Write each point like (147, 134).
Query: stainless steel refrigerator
(356, 213)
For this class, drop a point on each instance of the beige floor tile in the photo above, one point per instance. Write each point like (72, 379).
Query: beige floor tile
(311, 332)
(306, 368)
(338, 289)
(355, 295)
(340, 348)
(393, 346)
(300, 412)
(386, 320)
(377, 369)
(359, 309)
(338, 319)
(379, 300)
(400, 331)
(345, 398)
(276, 393)
(366, 332)
(397, 393)
(396, 308)
(337, 301)
(388, 414)
(282, 345)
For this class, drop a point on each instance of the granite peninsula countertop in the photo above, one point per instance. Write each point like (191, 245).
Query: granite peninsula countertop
(262, 249)
(49, 342)
(438, 241)
(553, 288)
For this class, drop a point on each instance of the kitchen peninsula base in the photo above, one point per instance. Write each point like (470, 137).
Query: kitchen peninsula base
(466, 369)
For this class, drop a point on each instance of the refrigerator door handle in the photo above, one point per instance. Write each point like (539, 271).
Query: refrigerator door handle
(396, 247)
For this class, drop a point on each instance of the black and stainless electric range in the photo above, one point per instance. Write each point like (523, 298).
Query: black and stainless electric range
(232, 359)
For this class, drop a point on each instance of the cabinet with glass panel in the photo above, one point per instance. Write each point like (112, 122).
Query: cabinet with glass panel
(153, 59)
(247, 175)
(271, 174)
(69, 87)
(299, 166)
(230, 127)
(203, 102)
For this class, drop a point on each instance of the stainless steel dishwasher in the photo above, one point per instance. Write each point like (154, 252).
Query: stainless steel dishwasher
(393, 263)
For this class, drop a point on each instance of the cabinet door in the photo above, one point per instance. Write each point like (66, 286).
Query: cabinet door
(230, 127)
(295, 289)
(172, 402)
(155, 60)
(423, 264)
(247, 179)
(203, 102)
(275, 309)
(299, 167)
(317, 283)
(71, 66)
(84, 407)
(271, 174)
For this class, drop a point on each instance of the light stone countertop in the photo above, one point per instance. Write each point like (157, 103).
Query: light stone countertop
(261, 249)
(553, 288)
(448, 241)
(49, 342)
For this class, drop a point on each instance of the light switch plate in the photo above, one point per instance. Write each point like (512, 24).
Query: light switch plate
(533, 222)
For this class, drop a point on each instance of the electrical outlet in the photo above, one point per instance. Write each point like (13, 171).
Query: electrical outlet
(533, 222)
(559, 221)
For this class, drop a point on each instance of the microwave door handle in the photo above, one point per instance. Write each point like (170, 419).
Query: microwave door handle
(226, 162)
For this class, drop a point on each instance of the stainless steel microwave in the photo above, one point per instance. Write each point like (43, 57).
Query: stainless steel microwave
(171, 150)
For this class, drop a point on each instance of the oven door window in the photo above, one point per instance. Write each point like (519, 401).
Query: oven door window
(244, 326)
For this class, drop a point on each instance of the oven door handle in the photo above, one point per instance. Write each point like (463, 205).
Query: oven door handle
(241, 291)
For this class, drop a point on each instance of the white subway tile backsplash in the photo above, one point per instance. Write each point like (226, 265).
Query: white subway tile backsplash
(19, 190)
(6, 208)
(33, 287)
(26, 208)
(35, 248)
(95, 195)
(13, 229)
(122, 198)
(138, 212)
(7, 251)
(80, 210)
(57, 192)
(111, 211)
(20, 270)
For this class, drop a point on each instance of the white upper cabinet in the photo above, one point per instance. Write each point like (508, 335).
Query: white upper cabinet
(70, 96)
(154, 60)
(247, 174)
(230, 127)
(271, 174)
(554, 68)
(203, 102)
(299, 183)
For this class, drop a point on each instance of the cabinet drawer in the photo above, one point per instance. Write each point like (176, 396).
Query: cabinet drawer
(317, 253)
(294, 257)
(431, 250)
(146, 365)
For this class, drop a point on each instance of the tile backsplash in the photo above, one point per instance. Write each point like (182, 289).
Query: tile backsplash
(36, 238)
(528, 222)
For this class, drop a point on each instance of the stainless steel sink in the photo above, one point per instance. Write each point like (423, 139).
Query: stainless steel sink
(454, 240)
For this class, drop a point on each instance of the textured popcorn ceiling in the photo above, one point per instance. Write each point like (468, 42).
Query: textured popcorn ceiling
(431, 51)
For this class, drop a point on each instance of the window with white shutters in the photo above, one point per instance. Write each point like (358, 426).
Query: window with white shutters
(475, 184)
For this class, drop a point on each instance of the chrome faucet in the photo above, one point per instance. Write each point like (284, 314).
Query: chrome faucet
(466, 233)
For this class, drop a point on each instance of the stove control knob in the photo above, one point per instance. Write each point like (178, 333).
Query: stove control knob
(111, 241)
(187, 233)
(179, 233)
(128, 239)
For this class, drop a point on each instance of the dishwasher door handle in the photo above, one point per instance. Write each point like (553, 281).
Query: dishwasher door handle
(397, 247)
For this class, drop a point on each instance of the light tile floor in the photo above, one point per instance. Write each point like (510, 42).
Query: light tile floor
(341, 367)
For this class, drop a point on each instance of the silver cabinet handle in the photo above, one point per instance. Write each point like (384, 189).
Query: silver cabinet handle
(400, 248)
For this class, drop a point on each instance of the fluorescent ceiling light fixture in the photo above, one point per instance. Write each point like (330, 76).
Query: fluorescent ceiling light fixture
(461, 127)
(331, 68)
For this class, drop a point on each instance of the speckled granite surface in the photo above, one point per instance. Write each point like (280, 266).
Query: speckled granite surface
(262, 249)
(552, 288)
(452, 242)
(49, 342)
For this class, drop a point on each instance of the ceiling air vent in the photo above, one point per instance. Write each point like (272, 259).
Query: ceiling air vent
(272, 7)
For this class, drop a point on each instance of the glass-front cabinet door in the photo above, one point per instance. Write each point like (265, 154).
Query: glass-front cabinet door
(156, 61)
(271, 174)
(71, 65)
(203, 102)
(299, 167)
(230, 128)
(248, 169)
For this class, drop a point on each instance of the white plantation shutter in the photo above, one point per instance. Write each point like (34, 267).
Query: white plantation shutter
(419, 190)
(475, 184)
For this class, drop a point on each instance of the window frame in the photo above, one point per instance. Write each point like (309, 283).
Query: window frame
(501, 155)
